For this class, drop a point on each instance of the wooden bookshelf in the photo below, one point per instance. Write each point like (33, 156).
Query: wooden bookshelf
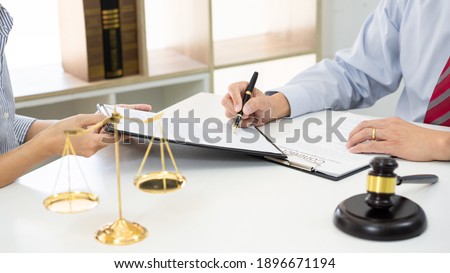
(186, 44)
(190, 48)
(288, 29)
(169, 62)
(258, 48)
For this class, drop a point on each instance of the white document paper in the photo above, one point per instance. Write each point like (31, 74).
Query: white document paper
(319, 148)
(205, 131)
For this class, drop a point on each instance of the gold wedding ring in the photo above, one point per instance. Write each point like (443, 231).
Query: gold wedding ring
(374, 134)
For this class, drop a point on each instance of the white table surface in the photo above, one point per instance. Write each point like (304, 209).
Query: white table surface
(231, 203)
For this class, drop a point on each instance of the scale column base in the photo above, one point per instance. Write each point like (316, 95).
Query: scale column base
(121, 232)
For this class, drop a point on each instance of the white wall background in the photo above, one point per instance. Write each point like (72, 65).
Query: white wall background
(341, 21)
(34, 39)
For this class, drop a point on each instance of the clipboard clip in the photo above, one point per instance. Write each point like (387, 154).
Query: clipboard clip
(296, 165)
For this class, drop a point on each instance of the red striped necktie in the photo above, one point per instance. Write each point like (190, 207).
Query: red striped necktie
(439, 105)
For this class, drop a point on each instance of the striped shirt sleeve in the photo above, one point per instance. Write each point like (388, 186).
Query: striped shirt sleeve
(21, 126)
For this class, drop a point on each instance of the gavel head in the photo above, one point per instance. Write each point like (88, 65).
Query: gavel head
(381, 183)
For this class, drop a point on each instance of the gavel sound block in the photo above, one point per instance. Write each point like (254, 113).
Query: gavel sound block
(380, 214)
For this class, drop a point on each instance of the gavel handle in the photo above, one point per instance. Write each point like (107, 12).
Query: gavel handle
(418, 179)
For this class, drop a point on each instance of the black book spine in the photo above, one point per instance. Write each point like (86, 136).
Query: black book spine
(112, 48)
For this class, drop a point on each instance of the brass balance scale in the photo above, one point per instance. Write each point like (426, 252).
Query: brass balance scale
(121, 231)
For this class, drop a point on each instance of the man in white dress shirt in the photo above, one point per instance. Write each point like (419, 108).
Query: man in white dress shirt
(401, 39)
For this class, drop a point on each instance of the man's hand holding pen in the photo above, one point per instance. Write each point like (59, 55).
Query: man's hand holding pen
(258, 110)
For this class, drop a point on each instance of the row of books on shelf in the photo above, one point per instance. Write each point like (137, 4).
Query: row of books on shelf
(99, 38)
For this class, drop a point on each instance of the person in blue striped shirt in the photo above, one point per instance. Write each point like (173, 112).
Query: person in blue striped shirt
(26, 142)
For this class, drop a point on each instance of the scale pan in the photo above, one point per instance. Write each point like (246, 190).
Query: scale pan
(71, 202)
(160, 182)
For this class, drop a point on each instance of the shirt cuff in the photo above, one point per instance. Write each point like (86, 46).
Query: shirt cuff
(21, 126)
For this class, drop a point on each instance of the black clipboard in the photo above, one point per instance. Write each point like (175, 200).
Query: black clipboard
(278, 158)
(110, 128)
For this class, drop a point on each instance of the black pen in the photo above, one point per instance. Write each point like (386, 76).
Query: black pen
(247, 96)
